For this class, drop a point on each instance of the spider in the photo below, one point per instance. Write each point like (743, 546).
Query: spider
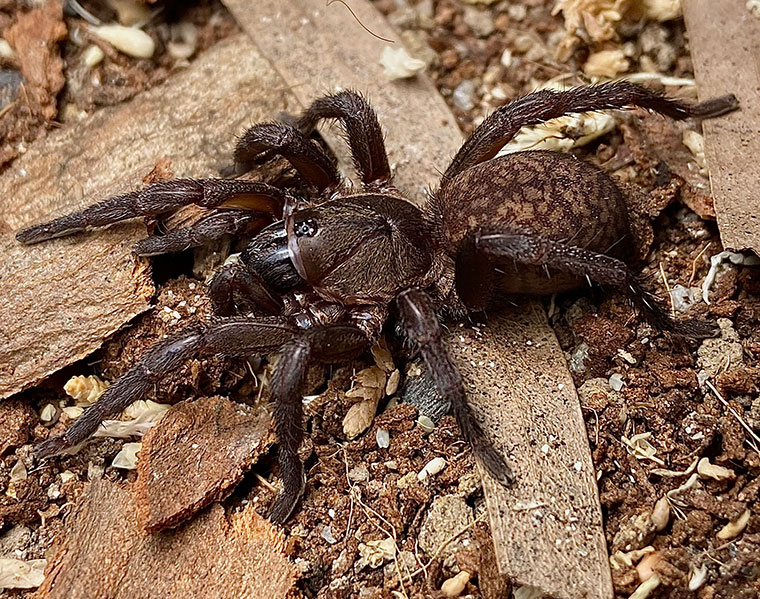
(320, 281)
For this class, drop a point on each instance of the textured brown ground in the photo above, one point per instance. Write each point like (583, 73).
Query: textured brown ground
(359, 492)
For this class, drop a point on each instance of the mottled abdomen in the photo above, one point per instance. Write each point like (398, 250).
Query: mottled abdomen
(550, 194)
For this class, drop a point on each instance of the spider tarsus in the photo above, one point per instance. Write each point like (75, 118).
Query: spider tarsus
(495, 465)
(51, 447)
(694, 329)
(44, 232)
(715, 107)
(293, 484)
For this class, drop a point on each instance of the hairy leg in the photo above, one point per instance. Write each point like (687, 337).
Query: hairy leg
(159, 198)
(504, 123)
(421, 323)
(538, 251)
(285, 389)
(237, 282)
(207, 229)
(331, 343)
(308, 158)
(231, 336)
(362, 129)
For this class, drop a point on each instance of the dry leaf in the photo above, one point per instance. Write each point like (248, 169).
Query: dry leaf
(359, 417)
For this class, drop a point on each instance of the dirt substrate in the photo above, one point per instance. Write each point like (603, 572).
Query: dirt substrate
(672, 423)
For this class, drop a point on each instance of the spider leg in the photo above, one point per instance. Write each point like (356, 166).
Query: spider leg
(306, 155)
(330, 343)
(534, 250)
(207, 229)
(230, 336)
(160, 198)
(236, 281)
(362, 128)
(543, 105)
(421, 324)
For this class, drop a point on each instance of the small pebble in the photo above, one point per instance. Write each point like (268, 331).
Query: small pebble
(616, 382)
(5, 49)
(432, 468)
(92, 56)
(463, 95)
(383, 438)
(661, 513)
(48, 413)
(327, 535)
(454, 586)
(127, 40)
(426, 424)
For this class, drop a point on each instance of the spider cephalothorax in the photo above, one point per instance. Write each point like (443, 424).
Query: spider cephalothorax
(320, 281)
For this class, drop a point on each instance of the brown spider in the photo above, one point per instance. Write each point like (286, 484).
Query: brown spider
(332, 268)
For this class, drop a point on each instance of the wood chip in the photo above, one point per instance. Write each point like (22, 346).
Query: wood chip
(723, 41)
(104, 553)
(34, 39)
(317, 48)
(547, 528)
(197, 454)
(16, 421)
(60, 299)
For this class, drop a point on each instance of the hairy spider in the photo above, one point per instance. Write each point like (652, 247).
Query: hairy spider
(320, 281)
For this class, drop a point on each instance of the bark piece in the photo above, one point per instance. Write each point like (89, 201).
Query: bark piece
(664, 141)
(16, 420)
(318, 49)
(723, 41)
(196, 455)
(547, 527)
(60, 299)
(106, 554)
(34, 37)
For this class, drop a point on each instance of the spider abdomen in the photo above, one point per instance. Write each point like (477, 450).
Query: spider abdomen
(549, 194)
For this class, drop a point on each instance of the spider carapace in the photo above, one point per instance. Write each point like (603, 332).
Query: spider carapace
(322, 279)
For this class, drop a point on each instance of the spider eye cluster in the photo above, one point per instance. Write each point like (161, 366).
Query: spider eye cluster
(306, 228)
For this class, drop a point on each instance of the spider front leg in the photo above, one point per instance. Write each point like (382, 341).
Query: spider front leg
(160, 198)
(362, 130)
(504, 123)
(309, 159)
(504, 247)
(207, 229)
(421, 324)
(230, 336)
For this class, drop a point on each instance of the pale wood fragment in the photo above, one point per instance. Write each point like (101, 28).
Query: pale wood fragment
(724, 38)
(547, 528)
(104, 553)
(318, 48)
(60, 299)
